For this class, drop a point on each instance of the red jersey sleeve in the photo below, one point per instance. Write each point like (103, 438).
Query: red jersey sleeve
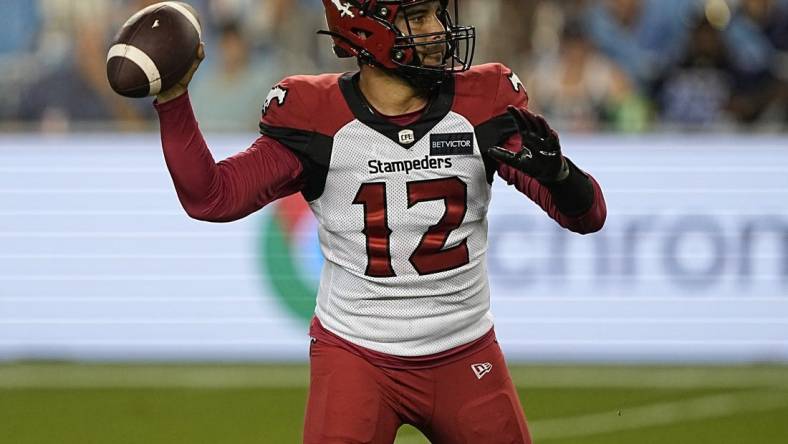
(233, 188)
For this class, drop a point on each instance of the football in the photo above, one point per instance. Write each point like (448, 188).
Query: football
(154, 49)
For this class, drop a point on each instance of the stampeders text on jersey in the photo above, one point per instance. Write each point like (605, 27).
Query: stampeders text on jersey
(406, 166)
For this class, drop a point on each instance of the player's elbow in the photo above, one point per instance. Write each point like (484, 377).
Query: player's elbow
(593, 224)
(211, 218)
(201, 216)
(595, 218)
(208, 214)
(592, 228)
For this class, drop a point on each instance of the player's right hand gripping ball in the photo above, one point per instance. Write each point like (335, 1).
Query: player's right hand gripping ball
(154, 49)
(540, 156)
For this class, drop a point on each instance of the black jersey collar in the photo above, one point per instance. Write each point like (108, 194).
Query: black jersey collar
(438, 107)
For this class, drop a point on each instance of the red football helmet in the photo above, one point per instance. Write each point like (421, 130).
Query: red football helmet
(366, 29)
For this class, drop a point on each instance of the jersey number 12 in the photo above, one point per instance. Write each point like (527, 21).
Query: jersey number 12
(430, 256)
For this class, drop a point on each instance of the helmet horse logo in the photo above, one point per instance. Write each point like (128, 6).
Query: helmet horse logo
(277, 93)
(344, 8)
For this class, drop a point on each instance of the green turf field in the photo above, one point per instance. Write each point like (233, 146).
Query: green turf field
(151, 404)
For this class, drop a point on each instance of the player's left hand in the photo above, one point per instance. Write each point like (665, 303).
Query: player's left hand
(540, 156)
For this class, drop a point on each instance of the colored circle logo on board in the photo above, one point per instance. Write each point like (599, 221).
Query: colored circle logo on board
(291, 257)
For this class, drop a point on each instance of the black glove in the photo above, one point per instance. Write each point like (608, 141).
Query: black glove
(540, 156)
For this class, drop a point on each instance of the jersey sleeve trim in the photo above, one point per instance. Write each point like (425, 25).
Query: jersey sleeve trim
(312, 149)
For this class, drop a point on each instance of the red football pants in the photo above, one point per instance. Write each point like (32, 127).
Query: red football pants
(353, 402)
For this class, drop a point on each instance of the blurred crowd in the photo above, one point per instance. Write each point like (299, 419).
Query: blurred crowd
(589, 65)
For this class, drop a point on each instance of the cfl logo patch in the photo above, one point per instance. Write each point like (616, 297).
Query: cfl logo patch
(407, 137)
(481, 369)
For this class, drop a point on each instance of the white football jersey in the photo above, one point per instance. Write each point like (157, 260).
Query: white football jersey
(401, 210)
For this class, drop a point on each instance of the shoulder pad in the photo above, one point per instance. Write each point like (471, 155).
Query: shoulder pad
(306, 103)
(485, 91)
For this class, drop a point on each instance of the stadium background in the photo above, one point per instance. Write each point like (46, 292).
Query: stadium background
(121, 320)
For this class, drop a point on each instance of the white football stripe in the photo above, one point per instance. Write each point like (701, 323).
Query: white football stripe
(188, 14)
(137, 14)
(140, 59)
(174, 5)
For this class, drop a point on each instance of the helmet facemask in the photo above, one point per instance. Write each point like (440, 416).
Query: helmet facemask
(458, 45)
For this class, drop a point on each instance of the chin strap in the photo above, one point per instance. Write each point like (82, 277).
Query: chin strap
(418, 79)
(363, 54)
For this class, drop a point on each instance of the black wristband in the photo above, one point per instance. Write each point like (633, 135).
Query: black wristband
(574, 195)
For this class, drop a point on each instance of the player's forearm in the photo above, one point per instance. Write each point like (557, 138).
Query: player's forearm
(574, 194)
(576, 203)
(580, 202)
(232, 188)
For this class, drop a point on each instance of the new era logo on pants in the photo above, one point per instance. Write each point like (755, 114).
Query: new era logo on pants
(481, 369)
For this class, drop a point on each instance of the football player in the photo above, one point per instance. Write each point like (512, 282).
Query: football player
(396, 161)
